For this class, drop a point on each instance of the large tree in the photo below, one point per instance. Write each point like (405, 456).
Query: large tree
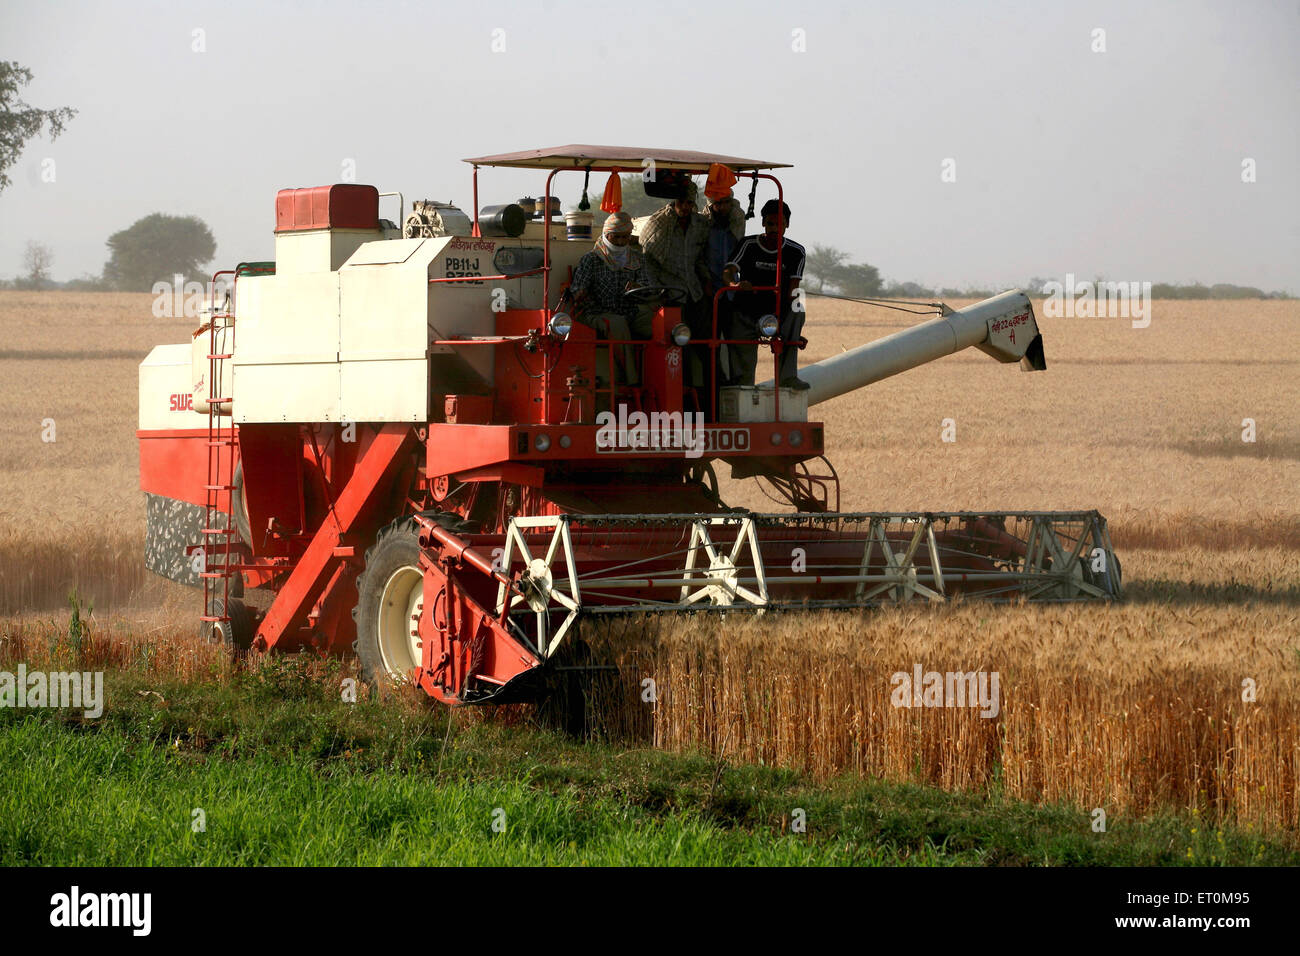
(157, 248)
(822, 264)
(856, 280)
(20, 122)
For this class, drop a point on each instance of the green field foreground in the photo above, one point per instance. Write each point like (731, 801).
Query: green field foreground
(285, 772)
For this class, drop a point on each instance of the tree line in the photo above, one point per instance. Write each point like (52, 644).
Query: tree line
(829, 271)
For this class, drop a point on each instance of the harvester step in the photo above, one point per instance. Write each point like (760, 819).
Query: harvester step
(219, 530)
(211, 619)
(215, 574)
(220, 401)
(219, 487)
(220, 441)
(222, 355)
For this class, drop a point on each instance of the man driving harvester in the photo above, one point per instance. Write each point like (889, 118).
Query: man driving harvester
(754, 264)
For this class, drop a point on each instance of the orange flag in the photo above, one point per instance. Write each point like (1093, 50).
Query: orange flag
(613, 199)
(720, 181)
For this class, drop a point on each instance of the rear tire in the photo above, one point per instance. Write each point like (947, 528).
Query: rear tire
(390, 592)
(236, 633)
(239, 506)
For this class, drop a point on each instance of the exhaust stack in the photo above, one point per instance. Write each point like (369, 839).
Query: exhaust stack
(1003, 327)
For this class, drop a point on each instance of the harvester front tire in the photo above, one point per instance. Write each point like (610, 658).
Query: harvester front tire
(390, 592)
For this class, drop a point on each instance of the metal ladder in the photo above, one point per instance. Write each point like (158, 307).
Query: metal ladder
(218, 524)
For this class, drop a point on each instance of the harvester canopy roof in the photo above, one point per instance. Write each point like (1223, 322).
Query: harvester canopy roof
(624, 157)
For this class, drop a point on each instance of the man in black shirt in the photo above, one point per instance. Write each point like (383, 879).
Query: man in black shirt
(753, 265)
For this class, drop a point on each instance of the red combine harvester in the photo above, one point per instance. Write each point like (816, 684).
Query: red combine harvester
(399, 437)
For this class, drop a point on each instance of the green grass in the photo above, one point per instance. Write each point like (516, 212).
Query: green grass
(288, 774)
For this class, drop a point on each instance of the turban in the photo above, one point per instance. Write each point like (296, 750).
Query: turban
(619, 222)
(720, 181)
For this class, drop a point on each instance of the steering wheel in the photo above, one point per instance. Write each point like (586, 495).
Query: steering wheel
(670, 294)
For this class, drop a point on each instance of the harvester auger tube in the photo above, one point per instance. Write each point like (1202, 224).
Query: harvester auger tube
(1003, 327)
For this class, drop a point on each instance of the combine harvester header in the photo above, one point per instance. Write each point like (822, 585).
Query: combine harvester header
(401, 442)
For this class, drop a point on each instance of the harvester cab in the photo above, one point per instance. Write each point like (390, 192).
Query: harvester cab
(404, 445)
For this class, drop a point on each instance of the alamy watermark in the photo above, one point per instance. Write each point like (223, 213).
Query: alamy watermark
(178, 298)
(129, 910)
(1098, 300)
(947, 689)
(53, 689)
(653, 431)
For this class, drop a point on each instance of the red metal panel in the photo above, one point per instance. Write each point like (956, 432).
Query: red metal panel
(173, 463)
(473, 452)
(462, 639)
(455, 448)
(468, 409)
(357, 511)
(519, 373)
(662, 372)
(341, 206)
(272, 456)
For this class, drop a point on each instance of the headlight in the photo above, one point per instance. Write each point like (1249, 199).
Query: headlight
(767, 326)
(561, 324)
(776, 438)
(682, 334)
(565, 441)
(796, 438)
(542, 442)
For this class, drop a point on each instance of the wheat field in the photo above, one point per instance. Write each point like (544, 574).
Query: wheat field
(1126, 707)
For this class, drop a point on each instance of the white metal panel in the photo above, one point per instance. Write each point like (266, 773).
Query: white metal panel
(748, 403)
(165, 390)
(286, 348)
(390, 390)
(318, 250)
(287, 318)
(384, 251)
(383, 300)
(306, 392)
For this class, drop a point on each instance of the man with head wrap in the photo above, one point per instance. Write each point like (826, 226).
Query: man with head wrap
(601, 278)
(675, 240)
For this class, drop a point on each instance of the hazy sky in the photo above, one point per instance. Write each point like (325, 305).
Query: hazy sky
(1125, 163)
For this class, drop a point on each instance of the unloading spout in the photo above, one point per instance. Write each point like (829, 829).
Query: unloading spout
(1003, 327)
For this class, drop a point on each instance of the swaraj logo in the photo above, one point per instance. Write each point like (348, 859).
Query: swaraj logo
(181, 402)
(653, 432)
